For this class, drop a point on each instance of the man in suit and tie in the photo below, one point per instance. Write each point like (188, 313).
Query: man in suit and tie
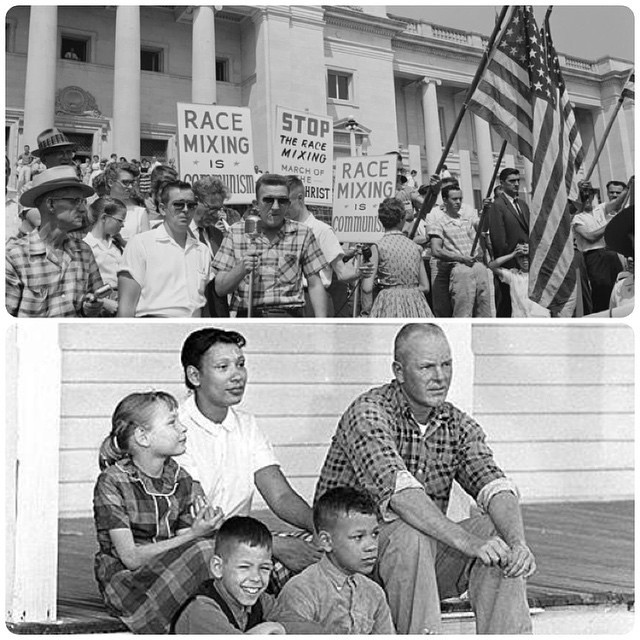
(508, 227)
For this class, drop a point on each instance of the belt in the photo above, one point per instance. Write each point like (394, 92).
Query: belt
(273, 312)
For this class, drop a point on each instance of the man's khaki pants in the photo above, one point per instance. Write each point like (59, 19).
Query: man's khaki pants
(417, 573)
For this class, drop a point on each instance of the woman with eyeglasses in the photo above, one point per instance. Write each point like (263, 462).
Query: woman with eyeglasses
(121, 181)
(107, 215)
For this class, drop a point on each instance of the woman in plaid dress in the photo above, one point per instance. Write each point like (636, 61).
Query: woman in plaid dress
(155, 546)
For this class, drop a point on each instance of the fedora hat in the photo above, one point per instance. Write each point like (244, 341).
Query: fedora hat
(50, 180)
(52, 139)
(617, 234)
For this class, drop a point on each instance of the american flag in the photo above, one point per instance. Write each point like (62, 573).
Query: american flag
(523, 96)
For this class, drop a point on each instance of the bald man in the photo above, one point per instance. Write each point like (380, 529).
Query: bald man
(404, 444)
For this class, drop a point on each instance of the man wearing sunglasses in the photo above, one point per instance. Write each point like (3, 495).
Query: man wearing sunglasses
(279, 256)
(165, 270)
(49, 273)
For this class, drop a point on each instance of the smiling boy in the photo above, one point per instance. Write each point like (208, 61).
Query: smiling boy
(234, 600)
(336, 593)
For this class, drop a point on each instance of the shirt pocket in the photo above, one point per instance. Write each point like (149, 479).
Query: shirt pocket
(288, 268)
(35, 299)
(439, 471)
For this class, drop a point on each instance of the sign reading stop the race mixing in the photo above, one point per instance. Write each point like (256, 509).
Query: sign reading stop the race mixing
(304, 147)
(361, 184)
(216, 141)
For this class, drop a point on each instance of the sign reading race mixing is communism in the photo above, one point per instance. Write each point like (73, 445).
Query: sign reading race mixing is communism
(304, 147)
(216, 141)
(361, 184)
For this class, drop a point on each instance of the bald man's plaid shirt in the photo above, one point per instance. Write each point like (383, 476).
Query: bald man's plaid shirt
(378, 437)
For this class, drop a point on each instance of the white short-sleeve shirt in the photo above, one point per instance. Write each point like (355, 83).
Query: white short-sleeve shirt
(329, 244)
(172, 279)
(108, 257)
(224, 457)
(589, 221)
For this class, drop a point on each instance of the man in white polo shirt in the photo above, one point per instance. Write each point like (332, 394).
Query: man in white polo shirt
(325, 236)
(164, 271)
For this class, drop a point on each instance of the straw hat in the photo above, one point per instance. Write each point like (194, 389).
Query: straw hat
(50, 180)
(52, 139)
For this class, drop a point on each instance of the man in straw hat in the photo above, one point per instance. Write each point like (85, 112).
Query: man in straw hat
(54, 148)
(48, 273)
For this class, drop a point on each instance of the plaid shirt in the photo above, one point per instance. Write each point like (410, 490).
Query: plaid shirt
(153, 509)
(39, 285)
(281, 264)
(378, 437)
(457, 232)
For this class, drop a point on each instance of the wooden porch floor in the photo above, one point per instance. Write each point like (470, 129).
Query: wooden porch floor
(585, 554)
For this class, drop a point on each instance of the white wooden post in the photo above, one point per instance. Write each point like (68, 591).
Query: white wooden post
(34, 461)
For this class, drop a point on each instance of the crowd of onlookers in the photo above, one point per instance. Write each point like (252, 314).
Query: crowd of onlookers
(161, 247)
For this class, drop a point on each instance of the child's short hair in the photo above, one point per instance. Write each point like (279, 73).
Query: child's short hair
(340, 502)
(241, 530)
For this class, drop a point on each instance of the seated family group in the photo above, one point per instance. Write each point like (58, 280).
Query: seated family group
(179, 551)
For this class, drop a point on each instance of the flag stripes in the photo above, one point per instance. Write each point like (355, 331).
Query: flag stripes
(523, 96)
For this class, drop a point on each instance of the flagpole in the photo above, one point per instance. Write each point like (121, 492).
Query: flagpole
(431, 195)
(607, 131)
(483, 213)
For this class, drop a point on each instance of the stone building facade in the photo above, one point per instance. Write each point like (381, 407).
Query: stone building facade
(110, 77)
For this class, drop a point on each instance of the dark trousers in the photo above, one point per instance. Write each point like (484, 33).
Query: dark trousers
(503, 298)
(603, 267)
(217, 306)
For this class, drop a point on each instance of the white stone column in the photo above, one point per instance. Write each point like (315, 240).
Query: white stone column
(431, 122)
(203, 56)
(485, 152)
(40, 84)
(126, 83)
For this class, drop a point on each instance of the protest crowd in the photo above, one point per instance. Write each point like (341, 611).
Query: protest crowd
(162, 247)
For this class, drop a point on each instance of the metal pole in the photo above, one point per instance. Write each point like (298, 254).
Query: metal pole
(604, 138)
(356, 291)
(430, 197)
(250, 296)
(483, 213)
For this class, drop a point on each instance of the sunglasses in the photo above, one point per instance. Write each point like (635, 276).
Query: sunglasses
(282, 201)
(126, 183)
(179, 205)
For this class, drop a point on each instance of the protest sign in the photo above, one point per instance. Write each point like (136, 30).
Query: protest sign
(361, 184)
(304, 147)
(216, 141)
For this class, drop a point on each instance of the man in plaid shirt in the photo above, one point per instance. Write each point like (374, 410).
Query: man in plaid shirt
(404, 445)
(459, 275)
(49, 273)
(279, 257)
